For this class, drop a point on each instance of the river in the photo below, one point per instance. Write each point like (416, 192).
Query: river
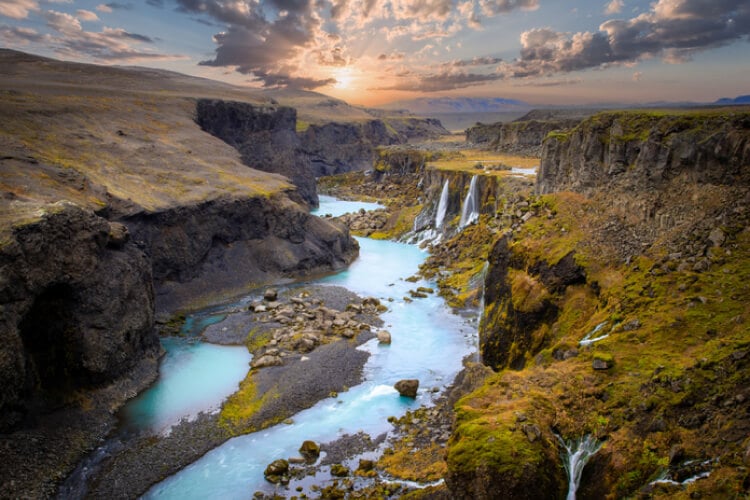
(429, 343)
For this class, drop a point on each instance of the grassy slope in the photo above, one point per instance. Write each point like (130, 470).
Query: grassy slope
(678, 343)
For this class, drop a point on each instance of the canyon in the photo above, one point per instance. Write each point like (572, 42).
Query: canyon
(612, 285)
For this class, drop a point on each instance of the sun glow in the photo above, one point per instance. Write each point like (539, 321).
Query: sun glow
(344, 78)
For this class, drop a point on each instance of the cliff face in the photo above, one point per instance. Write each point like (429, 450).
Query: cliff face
(619, 309)
(77, 309)
(521, 137)
(266, 138)
(336, 148)
(206, 250)
(663, 177)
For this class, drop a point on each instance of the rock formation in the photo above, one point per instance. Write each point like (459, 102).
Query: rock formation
(78, 310)
(522, 136)
(624, 283)
(266, 138)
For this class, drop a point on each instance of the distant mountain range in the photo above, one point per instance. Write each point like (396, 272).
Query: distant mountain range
(743, 99)
(446, 105)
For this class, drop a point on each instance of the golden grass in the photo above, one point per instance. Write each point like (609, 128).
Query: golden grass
(480, 161)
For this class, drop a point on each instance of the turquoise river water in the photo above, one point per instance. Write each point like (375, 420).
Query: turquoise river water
(429, 343)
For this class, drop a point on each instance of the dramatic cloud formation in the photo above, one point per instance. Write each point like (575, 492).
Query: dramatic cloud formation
(366, 50)
(673, 29)
(276, 40)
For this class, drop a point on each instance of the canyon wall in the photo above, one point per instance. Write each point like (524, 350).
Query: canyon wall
(618, 309)
(78, 309)
(523, 136)
(266, 138)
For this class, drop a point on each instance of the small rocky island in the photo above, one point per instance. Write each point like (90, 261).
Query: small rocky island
(607, 254)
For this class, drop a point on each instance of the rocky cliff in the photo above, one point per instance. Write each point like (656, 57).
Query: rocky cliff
(266, 138)
(78, 309)
(523, 136)
(336, 148)
(114, 204)
(619, 309)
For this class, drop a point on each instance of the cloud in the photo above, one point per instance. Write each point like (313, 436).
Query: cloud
(494, 7)
(108, 45)
(672, 29)
(18, 9)
(104, 8)
(476, 61)
(443, 81)
(278, 41)
(17, 35)
(614, 7)
(637, 76)
(86, 15)
(564, 82)
(119, 6)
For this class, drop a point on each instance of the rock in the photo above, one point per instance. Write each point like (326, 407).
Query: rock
(407, 387)
(271, 294)
(717, 237)
(366, 465)
(267, 360)
(339, 470)
(602, 361)
(118, 235)
(384, 337)
(631, 325)
(532, 432)
(277, 471)
(310, 450)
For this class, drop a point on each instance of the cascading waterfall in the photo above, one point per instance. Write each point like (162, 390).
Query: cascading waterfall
(480, 316)
(577, 454)
(442, 208)
(470, 210)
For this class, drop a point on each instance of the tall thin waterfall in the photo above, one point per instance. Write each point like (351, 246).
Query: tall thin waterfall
(480, 317)
(442, 208)
(470, 210)
(577, 453)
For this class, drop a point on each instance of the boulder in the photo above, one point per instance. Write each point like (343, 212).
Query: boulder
(339, 470)
(277, 471)
(118, 235)
(310, 450)
(267, 360)
(407, 387)
(271, 294)
(384, 337)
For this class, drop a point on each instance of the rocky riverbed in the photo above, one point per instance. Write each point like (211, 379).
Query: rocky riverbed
(304, 340)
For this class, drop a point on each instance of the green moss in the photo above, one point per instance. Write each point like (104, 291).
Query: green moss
(302, 126)
(256, 340)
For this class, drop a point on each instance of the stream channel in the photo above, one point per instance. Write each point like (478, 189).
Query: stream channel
(429, 343)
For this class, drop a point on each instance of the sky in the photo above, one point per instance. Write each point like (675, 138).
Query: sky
(372, 52)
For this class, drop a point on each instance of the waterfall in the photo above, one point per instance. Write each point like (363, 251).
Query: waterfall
(577, 454)
(470, 210)
(483, 277)
(442, 208)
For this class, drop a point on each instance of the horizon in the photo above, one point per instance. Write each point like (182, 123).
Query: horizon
(379, 52)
